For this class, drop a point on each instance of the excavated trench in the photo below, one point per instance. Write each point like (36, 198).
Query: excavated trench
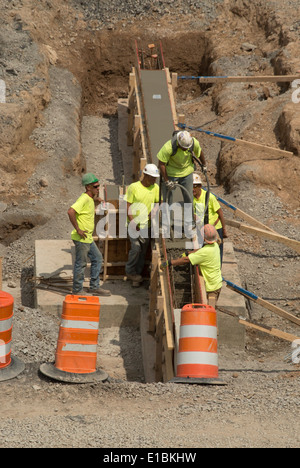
(101, 62)
(250, 42)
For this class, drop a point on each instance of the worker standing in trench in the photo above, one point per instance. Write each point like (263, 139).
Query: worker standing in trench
(142, 198)
(209, 261)
(176, 166)
(214, 214)
(82, 217)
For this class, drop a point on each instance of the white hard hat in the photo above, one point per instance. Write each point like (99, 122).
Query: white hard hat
(196, 179)
(151, 170)
(184, 139)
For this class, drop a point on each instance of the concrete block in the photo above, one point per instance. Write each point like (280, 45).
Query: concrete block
(230, 331)
(121, 309)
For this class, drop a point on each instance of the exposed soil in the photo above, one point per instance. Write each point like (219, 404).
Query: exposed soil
(65, 65)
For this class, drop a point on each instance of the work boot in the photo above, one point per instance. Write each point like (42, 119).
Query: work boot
(80, 293)
(100, 292)
(135, 278)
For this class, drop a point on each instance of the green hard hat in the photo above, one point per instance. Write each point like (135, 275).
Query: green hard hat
(89, 178)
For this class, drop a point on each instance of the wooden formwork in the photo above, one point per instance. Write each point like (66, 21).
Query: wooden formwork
(111, 242)
(146, 135)
(161, 319)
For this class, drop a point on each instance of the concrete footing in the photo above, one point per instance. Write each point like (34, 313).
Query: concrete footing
(56, 258)
(123, 307)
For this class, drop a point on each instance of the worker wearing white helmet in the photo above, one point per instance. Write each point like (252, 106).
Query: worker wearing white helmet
(176, 165)
(142, 198)
(214, 213)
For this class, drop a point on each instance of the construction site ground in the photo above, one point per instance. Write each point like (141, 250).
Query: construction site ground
(66, 66)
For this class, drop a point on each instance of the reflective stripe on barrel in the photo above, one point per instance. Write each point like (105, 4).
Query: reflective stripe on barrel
(6, 318)
(78, 335)
(197, 355)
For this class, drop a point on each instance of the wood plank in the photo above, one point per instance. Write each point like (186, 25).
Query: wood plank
(270, 331)
(264, 148)
(267, 305)
(262, 328)
(249, 79)
(167, 308)
(168, 368)
(153, 290)
(148, 348)
(131, 108)
(293, 244)
(159, 339)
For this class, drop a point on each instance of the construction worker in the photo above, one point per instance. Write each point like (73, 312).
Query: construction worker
(82, 217)
(214, 212)
(208, 259)
(176, 166)
(141, 198)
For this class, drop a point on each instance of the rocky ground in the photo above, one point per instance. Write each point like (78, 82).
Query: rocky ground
(65, 64)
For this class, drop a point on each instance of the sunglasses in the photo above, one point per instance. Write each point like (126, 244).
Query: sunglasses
(96, 186)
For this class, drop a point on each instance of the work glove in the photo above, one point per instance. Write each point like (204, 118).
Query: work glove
(185, 254)
(164, 265)
(204, 169)
(171, 185)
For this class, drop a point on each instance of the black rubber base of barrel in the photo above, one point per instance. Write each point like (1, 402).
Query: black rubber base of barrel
(13, 370)
(199, 381)
(51, 371)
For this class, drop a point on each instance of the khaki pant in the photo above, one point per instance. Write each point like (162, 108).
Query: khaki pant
(212, 297)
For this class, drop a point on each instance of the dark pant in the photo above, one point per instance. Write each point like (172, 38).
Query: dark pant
(136, 256)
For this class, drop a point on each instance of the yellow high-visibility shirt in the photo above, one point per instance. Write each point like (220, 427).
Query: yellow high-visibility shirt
(213, 207)
(180, 164)
(142, 200)
(85, 216)
(209, 260)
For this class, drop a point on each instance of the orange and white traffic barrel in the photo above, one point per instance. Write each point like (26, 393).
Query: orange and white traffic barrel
(76, 352)
(10, 366)
(197, 356)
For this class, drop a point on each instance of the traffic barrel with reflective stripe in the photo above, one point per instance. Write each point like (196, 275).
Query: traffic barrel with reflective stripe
(197, 357)
(10, 366)
(76, 352)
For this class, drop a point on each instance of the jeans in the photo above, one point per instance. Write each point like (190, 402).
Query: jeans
(136, 256)
(220, 232)
(83, 252)
(187, 193)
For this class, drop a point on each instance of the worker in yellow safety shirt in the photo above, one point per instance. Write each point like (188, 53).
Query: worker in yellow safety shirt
(214, 212)
(176, 165)
(82, 218)
(208, 259)
(142, 199)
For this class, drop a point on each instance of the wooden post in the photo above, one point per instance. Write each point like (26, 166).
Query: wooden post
(159, 340)
(174, 81)
(130, 109)
(105, 253)
(136, 146)
(153, 291)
